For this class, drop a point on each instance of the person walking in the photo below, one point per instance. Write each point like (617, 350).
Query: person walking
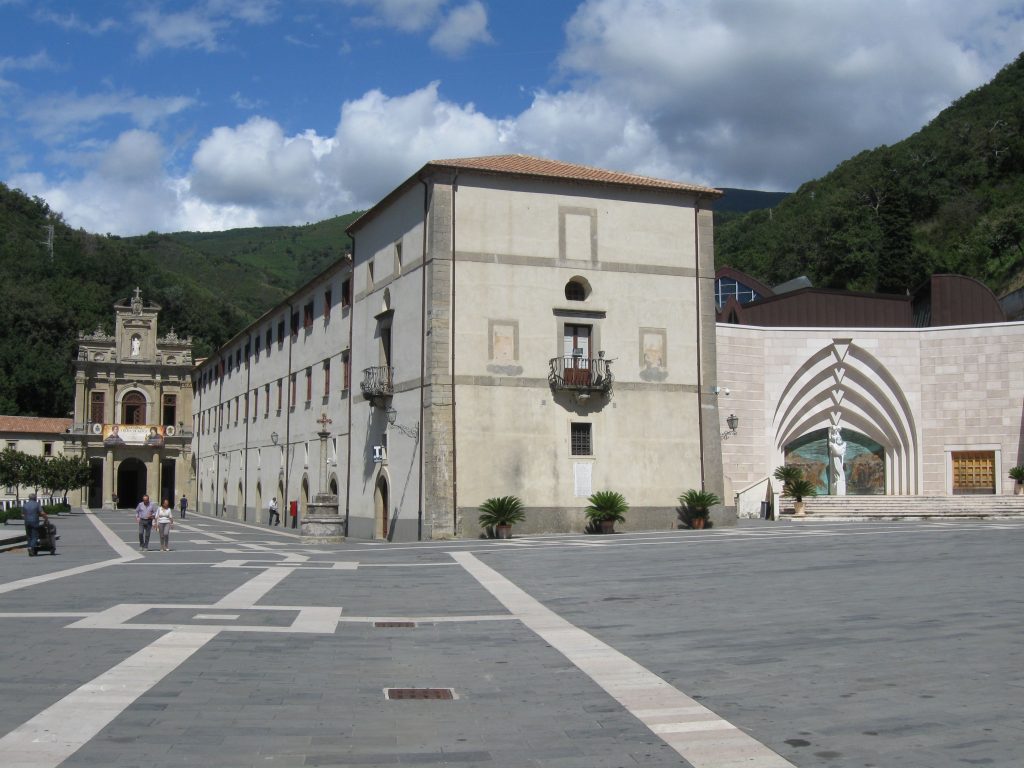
(164, 521)
(35, 518)
(274, 518)
(145, 512)
(183, 505)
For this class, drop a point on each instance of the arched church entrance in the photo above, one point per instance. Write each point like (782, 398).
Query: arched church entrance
(131, 483)
(863, 462)
(843, 387)
(380, 507)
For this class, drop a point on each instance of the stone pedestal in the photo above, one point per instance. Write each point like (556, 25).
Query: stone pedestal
(322, 524)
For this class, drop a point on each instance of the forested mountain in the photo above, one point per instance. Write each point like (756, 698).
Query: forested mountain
(949, 198)
(47, 300)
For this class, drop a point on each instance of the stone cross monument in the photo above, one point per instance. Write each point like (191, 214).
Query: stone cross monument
(322, 521)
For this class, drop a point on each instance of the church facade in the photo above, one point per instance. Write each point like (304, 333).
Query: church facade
(133, 409)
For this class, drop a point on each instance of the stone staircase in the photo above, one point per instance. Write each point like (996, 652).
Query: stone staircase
(844, 508)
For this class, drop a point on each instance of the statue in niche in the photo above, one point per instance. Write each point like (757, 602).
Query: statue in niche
(136, 342)
(837, 455)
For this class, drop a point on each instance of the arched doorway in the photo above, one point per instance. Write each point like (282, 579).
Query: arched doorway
(334, 486)
(240, 509)
(380, 507)
(259, 501)
(304, 505)
(131, 483)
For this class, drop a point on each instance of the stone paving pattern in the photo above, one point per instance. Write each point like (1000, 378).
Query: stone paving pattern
(846, 645)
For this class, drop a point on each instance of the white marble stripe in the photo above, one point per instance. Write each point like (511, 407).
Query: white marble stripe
(247, 594)
(632, 685)
(59, 731)
(125, 552)
(119, 545)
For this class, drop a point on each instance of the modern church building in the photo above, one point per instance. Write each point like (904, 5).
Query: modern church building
(926, 390)
(506, 325)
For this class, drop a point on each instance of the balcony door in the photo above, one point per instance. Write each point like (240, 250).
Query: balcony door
(576, 351)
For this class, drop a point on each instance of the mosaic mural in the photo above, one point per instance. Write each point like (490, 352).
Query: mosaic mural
(864, 466)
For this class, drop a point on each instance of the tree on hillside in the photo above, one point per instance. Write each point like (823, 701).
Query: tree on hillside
(898, 266)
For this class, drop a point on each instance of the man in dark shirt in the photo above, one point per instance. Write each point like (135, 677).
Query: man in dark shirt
(184, 506)
(34, 517)
(145, 513)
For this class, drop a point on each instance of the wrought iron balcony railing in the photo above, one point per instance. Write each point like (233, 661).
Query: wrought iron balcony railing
(378, 381)
(581, 374)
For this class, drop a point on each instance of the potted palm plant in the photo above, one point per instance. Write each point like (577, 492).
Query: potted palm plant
(797, 490)
(500, 513)
(695, 506)
(1017, 473)
(606, 509)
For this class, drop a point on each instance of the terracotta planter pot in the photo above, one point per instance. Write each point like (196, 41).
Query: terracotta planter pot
(607, 526)
(1018, 489)
(697, 523)
(798, 509)
(503, 531)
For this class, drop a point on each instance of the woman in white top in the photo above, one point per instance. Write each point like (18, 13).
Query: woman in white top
(164, 521)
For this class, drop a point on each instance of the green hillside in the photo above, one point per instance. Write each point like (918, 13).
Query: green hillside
(949, 198)
(209, 285)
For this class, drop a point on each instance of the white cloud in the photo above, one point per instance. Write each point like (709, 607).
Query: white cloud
(381, 140)
(199, 26)
(189, 29)
(762, 94)
(59, 115)
(72, 23)
(38, 60)
(123, 191)
(403, 15)
(244, 102)
(257, 166)
(462, 27)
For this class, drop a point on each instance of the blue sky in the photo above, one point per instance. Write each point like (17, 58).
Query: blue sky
(210, 114)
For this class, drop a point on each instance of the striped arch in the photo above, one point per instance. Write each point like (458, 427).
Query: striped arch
(843, 384)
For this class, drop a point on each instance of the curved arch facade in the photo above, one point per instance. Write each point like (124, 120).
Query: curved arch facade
(844, 385)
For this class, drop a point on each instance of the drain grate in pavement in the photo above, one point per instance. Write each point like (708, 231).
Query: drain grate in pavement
(394, 624)
(419, 694)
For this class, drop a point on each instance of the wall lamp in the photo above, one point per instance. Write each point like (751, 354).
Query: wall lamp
(733, 421)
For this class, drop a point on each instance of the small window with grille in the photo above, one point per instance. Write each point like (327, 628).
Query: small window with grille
(580, 439)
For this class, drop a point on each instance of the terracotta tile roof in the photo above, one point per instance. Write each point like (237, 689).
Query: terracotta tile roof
(527, 165)
(40, 425)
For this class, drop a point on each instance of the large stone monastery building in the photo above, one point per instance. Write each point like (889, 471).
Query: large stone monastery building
(506, 325)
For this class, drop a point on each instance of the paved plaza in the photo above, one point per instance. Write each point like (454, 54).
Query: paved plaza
(768, 645)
